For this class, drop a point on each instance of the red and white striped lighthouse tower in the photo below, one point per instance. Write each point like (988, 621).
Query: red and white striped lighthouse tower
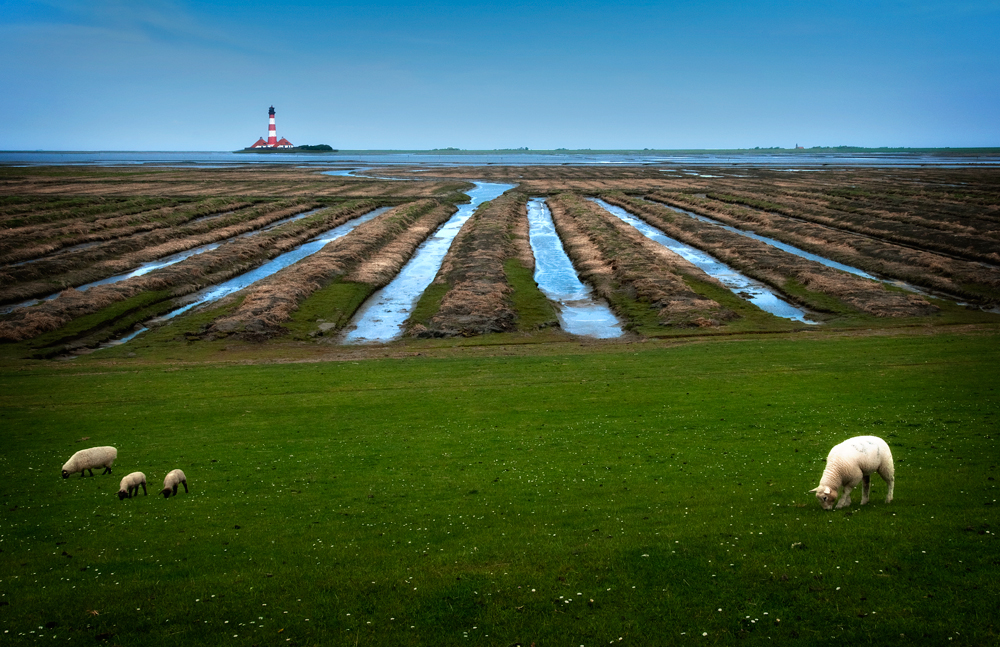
(272, 132)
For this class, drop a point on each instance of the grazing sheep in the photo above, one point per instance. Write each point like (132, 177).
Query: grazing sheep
(851, 462)
(130, 483)
(88, 459)
(172, 480)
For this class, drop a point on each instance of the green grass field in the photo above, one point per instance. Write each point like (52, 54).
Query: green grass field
(558, 494)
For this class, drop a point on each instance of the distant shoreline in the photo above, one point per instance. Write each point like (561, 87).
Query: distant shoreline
(809, 158)
(985, 150)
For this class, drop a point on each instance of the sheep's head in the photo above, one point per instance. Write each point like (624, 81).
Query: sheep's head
(122, 494)
(65, 474)
(166, 493)
(827, 496)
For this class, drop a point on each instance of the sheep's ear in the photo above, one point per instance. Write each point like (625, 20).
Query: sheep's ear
(815, 489)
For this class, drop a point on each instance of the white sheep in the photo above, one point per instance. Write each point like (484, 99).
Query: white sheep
(88, 459)
(131, 483)
(851, 462)
(171, 481)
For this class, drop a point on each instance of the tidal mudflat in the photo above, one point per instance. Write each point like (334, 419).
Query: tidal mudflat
(120, 224)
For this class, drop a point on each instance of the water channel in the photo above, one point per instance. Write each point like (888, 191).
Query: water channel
(158, 263)
(754, 291)
(382, 316)
(216, 292)
(791, 249)
(579, 312)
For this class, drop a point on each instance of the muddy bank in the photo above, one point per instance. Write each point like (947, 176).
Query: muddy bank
(270, 303)
(777, 268)
(382, 317)
(93, 264)
(626, 268)
(229, 260)
(476, 302)
(36, 241)
(743, 286)
(917, 266)
(261, 181)
(886, 215)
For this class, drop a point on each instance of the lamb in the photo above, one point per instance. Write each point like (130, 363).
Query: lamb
(130, 483)
(851, 462)
(171, 481)
(88, 459)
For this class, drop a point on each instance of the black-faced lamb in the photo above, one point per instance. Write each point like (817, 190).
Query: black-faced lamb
(88, 459)
(171, 481)
(130, 485)
(850, 463)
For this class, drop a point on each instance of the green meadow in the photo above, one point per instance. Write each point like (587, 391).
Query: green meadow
(648, 493)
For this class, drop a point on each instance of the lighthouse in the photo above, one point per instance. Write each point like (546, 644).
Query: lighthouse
(272, 135)
(272, 132)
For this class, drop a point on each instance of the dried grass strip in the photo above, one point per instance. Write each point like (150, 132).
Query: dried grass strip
(920, 267)
(116, 257)
(41, 241)
(776, 267)
(190, 275)
(617, 260)
(972, 238)
(383, 266)
(476, 302)
(271, 302)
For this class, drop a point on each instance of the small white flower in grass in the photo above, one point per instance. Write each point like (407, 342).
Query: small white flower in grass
(704, 633)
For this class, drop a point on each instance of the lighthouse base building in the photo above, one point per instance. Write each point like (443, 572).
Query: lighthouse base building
(272, 135)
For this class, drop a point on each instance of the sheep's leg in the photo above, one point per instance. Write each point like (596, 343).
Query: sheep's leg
(185, 485)
(85, 470)
(844, 500)
(866, 489)
(890, 481)
(144, 492)
(175, 489)
(107, 470)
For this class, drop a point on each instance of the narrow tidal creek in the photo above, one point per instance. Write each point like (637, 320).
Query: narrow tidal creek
(579, 312)
(791, 249)
(382, 316)
(159, 263)
(753, 291)
(216, 292)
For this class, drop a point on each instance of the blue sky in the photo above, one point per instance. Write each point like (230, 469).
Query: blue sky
(162, 75)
